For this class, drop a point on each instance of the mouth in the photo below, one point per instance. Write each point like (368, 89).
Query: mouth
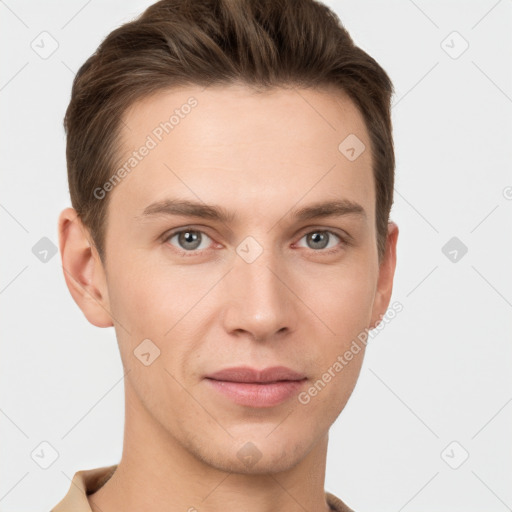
(252, 375)
(257, 388)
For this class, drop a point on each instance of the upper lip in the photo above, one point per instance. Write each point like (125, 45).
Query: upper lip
(248, 374)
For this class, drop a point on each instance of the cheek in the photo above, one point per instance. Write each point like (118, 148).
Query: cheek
(138, 298)
(161, 303)
(344, 304)
(341, 300)
(324, 399)
(132, 298)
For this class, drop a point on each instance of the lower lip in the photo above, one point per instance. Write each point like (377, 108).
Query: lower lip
(257, 395)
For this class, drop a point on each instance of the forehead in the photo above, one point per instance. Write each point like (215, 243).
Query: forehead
(261, 152)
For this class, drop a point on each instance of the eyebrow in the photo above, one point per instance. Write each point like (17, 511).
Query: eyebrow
(187, 208)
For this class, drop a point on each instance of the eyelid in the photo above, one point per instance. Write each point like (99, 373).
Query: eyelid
(172, 232)
(341, 233)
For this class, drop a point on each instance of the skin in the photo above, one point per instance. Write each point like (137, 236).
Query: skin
(260, 156)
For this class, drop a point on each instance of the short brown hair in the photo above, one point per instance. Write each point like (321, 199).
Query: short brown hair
(261, 43)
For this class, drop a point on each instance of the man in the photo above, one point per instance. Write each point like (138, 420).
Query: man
(231, 172)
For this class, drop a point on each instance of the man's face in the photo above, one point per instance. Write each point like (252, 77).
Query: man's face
(264, 288)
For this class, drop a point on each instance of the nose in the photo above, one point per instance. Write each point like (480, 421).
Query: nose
(258, 299)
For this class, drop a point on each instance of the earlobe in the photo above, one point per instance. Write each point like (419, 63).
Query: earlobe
(386, 276)
(83, 269)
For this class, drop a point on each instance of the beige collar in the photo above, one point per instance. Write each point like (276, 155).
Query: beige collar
(88, 481)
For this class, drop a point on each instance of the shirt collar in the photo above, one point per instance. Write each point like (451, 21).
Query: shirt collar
(84, 482)
(88, 481)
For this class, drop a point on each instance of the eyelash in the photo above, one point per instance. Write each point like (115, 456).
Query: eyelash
(166, 237)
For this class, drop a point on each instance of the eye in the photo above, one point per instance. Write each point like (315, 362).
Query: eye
(192, 242)
(320, 241)
(188, 240)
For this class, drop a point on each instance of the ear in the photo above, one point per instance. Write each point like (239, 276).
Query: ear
(83, 269)
(386, 275)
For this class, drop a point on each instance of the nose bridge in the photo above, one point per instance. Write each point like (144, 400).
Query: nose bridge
(258, 300)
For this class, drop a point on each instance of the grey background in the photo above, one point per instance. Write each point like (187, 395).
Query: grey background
(438, 373)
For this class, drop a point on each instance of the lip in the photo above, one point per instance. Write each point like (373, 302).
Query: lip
(248, 374)
(257, 388)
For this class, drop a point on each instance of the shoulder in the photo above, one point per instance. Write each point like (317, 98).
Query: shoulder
(336, 504)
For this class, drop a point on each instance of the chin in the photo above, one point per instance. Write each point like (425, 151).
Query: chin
(255, 455)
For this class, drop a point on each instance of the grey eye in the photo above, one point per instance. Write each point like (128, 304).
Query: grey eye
(189, 239)
(320, 239)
